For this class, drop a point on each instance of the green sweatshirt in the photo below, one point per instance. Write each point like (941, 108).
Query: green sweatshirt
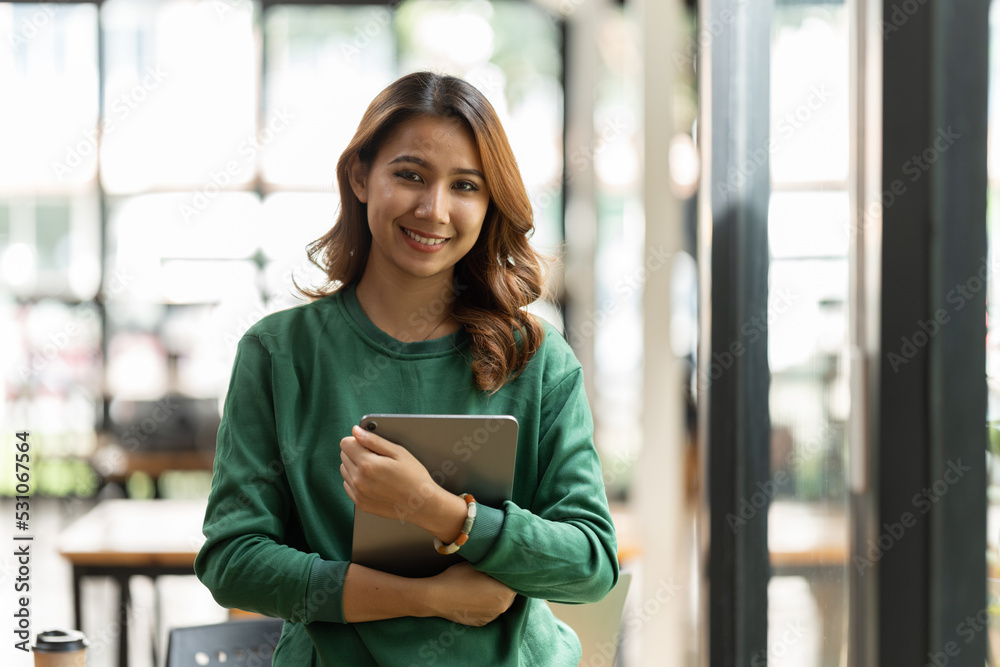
(279, 523)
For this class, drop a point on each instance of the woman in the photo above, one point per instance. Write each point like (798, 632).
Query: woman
(429, 272)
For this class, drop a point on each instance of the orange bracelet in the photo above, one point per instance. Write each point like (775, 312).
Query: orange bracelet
(463, 537)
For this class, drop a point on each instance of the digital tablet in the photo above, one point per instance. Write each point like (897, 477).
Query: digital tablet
(464, 454)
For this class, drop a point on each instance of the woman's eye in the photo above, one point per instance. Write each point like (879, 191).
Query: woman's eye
(408, 175)
(466, 186)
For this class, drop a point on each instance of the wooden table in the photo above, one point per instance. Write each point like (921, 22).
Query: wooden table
(124, 538)
(117, 463)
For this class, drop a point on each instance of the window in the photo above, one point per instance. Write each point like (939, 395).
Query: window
(806, 321)
(157, 199)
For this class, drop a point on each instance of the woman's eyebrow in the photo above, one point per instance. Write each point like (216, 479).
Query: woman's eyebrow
(423, 163)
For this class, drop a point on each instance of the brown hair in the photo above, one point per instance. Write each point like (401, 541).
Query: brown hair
(500, 275)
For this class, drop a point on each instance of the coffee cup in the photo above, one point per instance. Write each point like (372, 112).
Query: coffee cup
(59, 648)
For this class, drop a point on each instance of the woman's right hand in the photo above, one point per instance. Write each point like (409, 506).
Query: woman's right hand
(465, 595)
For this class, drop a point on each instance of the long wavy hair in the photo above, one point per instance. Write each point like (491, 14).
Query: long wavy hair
(500, 275)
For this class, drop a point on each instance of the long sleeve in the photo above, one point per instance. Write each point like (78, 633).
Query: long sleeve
(246, 561)
(279, 525)
(560, 545)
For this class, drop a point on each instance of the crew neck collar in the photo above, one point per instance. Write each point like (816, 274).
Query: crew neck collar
(391, 345)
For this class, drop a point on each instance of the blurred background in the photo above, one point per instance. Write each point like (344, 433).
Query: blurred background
(163, 164)
(161, 172)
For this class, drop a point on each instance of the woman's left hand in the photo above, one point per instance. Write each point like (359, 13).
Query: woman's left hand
(385, 479)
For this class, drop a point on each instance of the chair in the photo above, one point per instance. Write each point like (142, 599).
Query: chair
(598, 625)
(232, 644)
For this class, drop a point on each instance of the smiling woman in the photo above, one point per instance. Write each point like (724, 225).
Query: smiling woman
(431, 158)
(428, 273)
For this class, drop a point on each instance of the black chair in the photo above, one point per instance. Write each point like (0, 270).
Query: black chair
(232, 644)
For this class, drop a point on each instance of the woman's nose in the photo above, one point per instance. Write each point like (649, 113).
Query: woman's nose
(433, 205)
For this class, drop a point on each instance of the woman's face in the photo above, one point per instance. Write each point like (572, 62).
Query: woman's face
(426, 198)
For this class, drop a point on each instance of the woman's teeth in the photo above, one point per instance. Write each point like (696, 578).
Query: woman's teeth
(421, 239)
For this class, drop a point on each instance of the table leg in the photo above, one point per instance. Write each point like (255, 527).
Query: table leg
(157, 615)
(77, 604)
(124, 604)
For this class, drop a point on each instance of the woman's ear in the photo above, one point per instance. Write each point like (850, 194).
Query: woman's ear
(357, 174)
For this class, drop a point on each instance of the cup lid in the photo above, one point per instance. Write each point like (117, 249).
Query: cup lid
(58, 641)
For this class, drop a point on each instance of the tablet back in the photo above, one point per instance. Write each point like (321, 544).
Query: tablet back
(464, 454)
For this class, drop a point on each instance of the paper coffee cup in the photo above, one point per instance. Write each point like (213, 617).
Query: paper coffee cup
(59, 648)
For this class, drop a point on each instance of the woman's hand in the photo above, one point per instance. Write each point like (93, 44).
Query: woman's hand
(459, 594)
(385, 479)
(465, 595)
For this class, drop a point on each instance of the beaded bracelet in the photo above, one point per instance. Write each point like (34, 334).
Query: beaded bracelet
(463, 537)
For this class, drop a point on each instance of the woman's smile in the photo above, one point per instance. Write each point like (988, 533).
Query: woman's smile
(424, 243)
